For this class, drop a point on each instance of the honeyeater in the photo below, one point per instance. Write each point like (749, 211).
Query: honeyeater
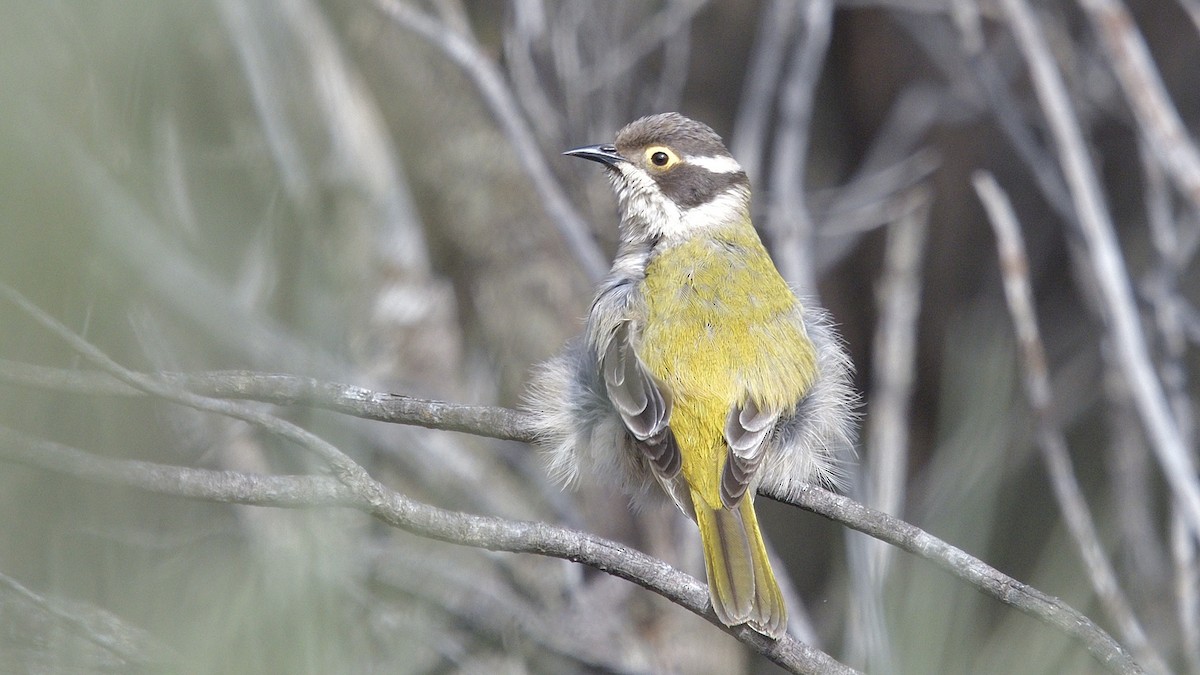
(700, 371)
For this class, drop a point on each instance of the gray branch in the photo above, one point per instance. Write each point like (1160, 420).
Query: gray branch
(354, 488)
(490, 533)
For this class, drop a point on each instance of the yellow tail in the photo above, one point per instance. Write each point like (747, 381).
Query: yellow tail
(740, 581)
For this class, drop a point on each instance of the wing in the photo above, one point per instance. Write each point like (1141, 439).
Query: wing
(746, 429)
(643, 402)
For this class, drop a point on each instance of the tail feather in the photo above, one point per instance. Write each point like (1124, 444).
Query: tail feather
(740, 581)
(770, 614)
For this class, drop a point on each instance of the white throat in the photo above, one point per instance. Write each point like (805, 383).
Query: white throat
(647, 213)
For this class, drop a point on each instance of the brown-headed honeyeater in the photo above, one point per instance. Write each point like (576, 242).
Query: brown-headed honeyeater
(700, 371)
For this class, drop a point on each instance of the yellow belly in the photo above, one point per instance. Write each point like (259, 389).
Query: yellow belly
(722, 327)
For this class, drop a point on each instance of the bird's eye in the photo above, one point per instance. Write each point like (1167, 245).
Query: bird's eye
(661, 157)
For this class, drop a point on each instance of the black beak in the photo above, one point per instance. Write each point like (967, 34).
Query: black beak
(606, 154)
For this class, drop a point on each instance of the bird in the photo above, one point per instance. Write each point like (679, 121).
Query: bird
(700, 374)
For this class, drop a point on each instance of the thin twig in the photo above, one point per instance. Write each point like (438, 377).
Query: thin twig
(127, 233)
(1147, 96)
(347, 470)
(990, 581)
(899, 299)
(676, 50)
(465, 52)
(872, 198)
(494, 610)
(1192, 7)
(527, 27)
(1131, 470)
(650, 36)
(789, 221)
(1010, 115)
(1187, 589)
(1108, 267)
(750, 128)
(277, 389)
(1014, 266)
(879, 192)
(133, 645)
(1163, 292)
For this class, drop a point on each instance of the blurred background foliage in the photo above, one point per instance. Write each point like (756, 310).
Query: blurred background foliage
(371, 193)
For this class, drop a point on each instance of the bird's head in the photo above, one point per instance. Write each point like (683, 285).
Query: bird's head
(673, 177)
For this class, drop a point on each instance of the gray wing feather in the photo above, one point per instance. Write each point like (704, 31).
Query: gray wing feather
(746, 429)
(642, 401)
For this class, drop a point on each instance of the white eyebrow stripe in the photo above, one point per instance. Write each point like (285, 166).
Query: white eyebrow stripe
(715, 163)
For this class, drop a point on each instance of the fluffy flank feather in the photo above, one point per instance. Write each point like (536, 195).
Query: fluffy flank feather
(816, 443)
(579, 434)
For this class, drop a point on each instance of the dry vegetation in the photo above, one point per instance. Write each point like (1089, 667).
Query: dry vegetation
(247, 248)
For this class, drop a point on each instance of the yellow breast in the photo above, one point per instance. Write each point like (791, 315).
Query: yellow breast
(722, 327)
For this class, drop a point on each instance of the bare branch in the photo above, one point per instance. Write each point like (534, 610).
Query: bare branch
(1147, 96)
(754, 110)
(487, 421)
(360, 491)
(872, 198)
(1011, 117)
(1162, 289)
(987, 579)
(493, 609)
(1111, 276)
(132, 645)
(899, 298)
(464, 51)
(1014, 265)
(527, 27)
(349, 471)
(886, 434)
(677, 48)
(649, 37)
(1187, 589)
(304, 491)
(790, 222)
(393, 508)
(1192, 7)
